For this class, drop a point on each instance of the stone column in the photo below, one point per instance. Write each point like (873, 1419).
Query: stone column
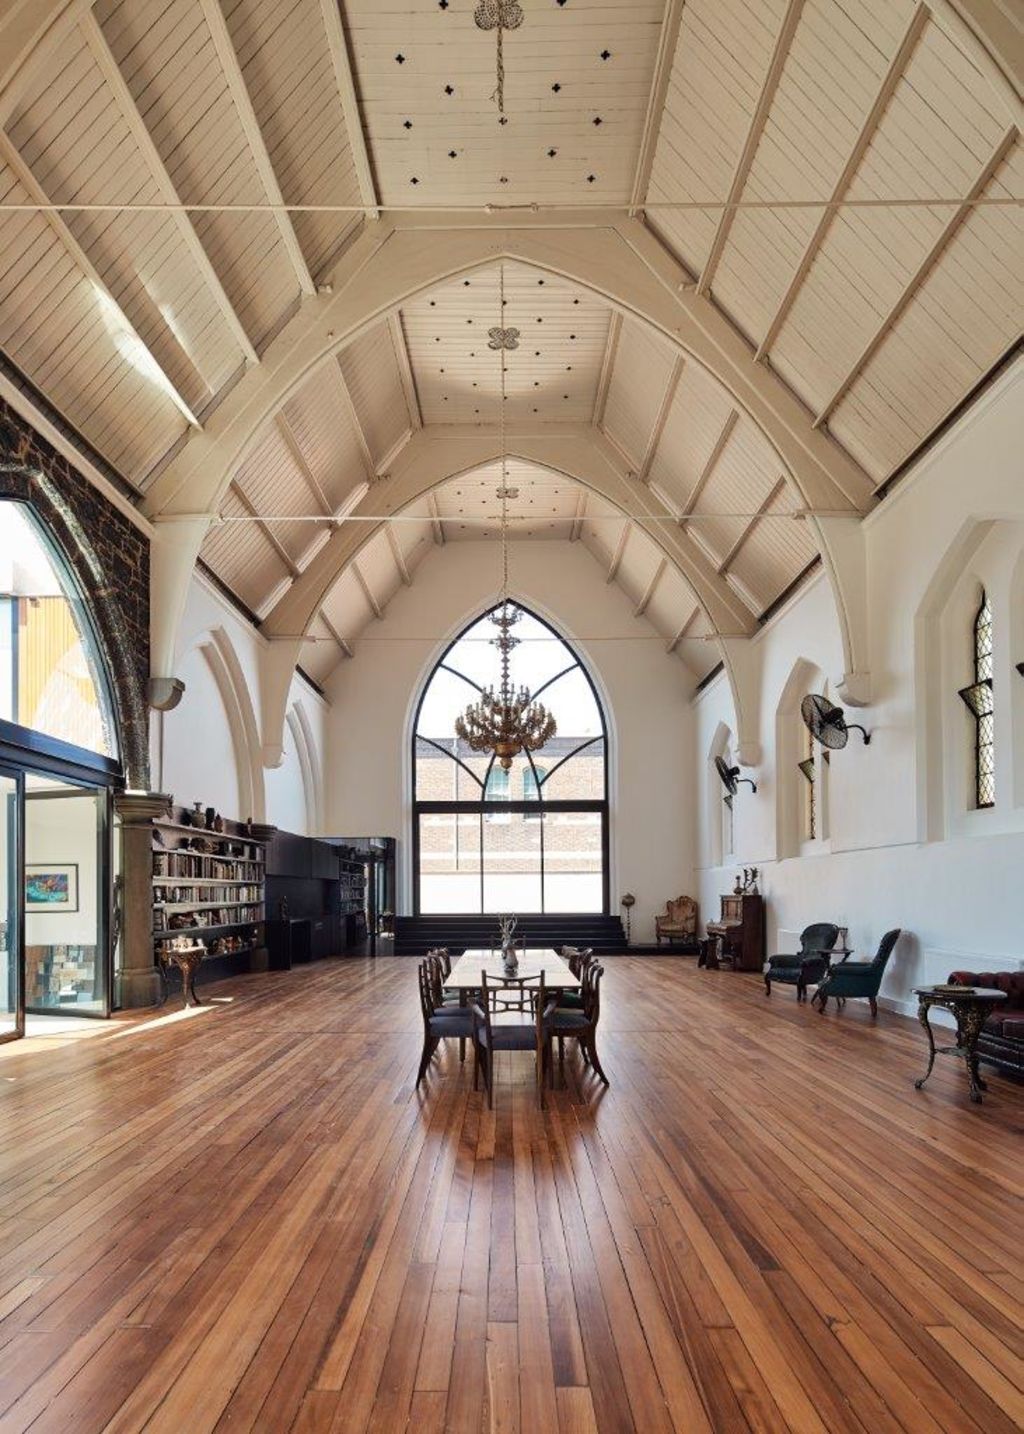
(138, 981)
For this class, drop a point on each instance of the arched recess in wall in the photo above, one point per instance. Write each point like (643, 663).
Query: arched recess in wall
(790, 750)
(1016, 677)
(223, 663)
(309, 765)
(987, 555)
(719, 825)
(935, 712)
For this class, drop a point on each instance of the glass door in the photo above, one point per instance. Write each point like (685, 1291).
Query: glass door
(12, 986)
(66, 888)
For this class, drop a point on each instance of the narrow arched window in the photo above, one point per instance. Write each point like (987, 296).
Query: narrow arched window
(979, 700)
(809, 768)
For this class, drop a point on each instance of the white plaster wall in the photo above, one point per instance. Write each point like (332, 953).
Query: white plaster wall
(202, 749)
(958, 895)
(58, 830)
(646, 696)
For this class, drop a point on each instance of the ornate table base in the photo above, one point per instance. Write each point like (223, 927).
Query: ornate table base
(970, 1007)
(188, 963)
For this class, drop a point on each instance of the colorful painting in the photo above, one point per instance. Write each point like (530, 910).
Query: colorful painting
(53, 887)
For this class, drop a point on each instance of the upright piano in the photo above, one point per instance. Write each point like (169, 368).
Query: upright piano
(739, 933)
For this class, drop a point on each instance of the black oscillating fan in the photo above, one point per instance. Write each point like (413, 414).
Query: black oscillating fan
(827, 723)
(731, 777)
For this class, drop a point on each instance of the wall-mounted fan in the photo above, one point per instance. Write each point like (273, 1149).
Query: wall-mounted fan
(731, 777)
(827, 723)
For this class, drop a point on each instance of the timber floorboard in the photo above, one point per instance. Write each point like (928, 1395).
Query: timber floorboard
(246, 1217)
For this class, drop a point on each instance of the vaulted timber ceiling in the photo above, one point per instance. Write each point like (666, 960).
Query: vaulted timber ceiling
(841, 177)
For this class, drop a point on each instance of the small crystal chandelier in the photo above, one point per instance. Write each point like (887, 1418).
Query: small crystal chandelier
(505, 721)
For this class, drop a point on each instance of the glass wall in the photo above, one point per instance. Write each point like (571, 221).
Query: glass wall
(12, 1012)
(59, 750)
(65, 896)
(530, 839)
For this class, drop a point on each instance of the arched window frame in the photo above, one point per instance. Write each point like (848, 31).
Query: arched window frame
(42, 744)
(534, 806)
(978, 697)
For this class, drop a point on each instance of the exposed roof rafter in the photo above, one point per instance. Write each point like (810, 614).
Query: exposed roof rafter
(398, 555)
(334, 363)
(667, 42)
(604, 378)
(343, 644)
(710, 465)
(758, 120)
(674, 642)
(371, 600)
(651, 588)
(579, 518)
(111, 71)
(265, 528)
(734, 550)
(299, 459)
(898, 63)
(619, 553)
(399, 343)
(218, 28)
(337, 45)
(922, 271)
(664, 409)
(13, 158)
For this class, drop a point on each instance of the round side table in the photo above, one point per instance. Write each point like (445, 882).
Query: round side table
(971, 1006)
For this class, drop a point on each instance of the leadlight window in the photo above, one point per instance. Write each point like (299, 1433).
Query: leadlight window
(534, 839)
(809, 769)
(980, 703)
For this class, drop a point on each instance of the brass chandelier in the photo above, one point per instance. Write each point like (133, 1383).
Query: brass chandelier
(505, 722)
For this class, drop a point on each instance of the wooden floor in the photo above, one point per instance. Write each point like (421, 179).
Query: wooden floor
(247, 1218)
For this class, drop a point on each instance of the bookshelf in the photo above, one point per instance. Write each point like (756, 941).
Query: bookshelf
(209, 891)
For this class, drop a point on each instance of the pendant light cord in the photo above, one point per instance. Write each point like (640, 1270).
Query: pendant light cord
(504, 456)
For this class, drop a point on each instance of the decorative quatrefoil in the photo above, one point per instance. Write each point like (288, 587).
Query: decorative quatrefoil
(503, 338)
(490, 14)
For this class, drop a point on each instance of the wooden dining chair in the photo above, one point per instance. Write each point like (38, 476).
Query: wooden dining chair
(492, 1036)
(577, 959)
(441, 1023)
(580, 1024)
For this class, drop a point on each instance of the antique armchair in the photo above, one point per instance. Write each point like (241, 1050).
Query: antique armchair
(805, 967)
(857, 978)
(678, 922)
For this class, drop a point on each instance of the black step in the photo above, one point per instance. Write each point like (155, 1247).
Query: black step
(416, 934)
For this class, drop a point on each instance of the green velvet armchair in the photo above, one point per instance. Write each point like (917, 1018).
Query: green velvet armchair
(857, 978)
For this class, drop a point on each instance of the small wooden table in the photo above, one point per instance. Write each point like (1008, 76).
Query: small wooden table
(970, 1006)
(464, 976)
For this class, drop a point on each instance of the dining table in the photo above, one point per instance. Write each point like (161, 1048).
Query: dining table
(464, 976)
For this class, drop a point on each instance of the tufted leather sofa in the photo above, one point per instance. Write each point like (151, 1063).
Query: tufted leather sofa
(1002, 1039)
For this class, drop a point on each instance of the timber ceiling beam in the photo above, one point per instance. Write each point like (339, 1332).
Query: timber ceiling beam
(125, 101)
(891, 78)
(619, 260)
(12, 157)
(222, 43)
(440, 452)
(755, 129)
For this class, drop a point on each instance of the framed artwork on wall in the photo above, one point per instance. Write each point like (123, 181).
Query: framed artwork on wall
(51, 886)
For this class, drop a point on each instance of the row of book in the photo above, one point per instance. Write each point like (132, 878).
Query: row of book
(202, 864)
(213, 916)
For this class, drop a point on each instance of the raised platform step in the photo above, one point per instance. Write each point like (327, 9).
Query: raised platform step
(416, 934)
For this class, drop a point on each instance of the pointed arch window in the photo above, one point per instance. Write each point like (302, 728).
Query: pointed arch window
(535, 838)
(978, 698)
(809, 767)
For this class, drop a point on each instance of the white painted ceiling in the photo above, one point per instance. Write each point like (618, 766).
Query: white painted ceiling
(880, 314)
